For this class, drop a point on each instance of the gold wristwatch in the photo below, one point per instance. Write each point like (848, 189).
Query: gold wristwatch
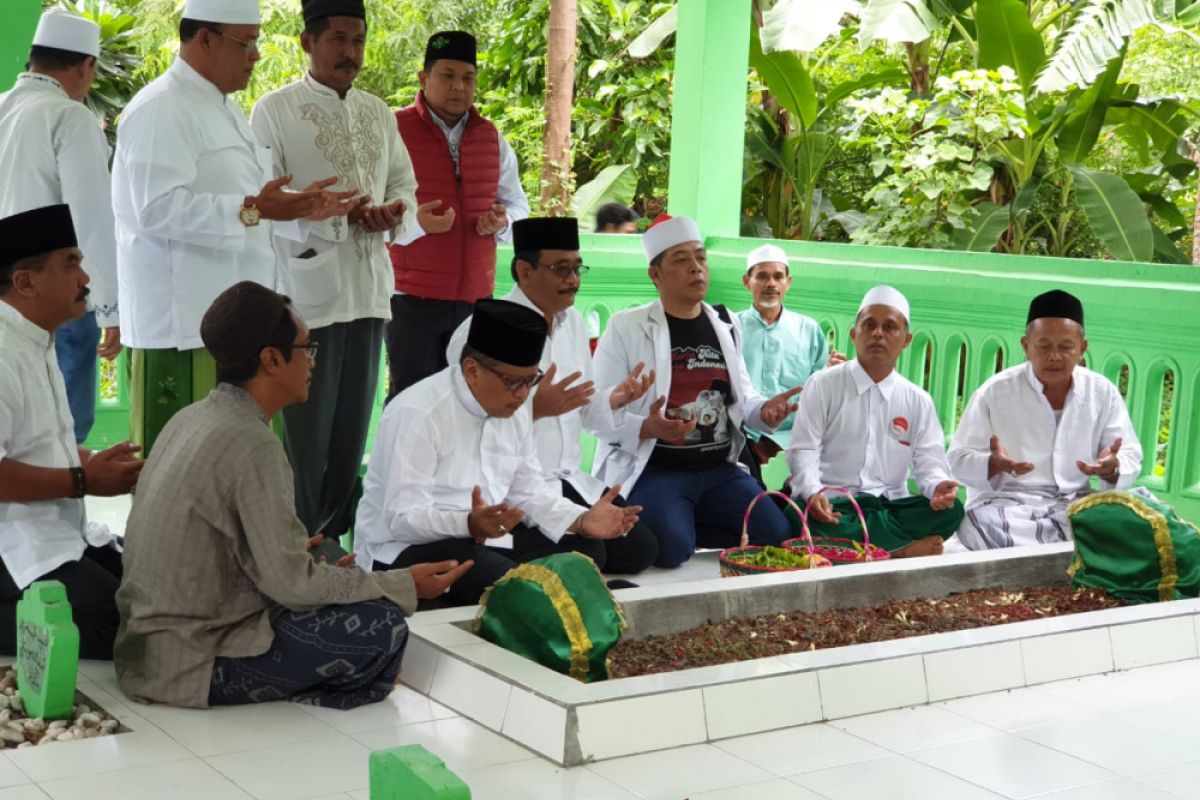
(249, 214)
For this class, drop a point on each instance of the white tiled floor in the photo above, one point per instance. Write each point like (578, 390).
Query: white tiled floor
(1125, 736)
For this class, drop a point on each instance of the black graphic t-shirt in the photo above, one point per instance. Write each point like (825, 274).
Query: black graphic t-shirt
(700, 390)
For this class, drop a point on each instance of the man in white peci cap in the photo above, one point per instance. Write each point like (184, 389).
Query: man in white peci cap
(193, 191)
(676, 451)
(864, 426)
(52, 151)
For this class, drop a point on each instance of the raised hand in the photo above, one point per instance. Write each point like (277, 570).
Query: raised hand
(777, 409)
(378, 219)
(835, 358)
(632, 388)
(658, 426)
(606, 520)
(491, 521)
(492, 222)
(554, 399)
(1001, 462)
(434, 580)
(276, 204)
(434, 223)
(1106, 465)
(944, 495)
(822, 510)
(332, 204)
(113, 471)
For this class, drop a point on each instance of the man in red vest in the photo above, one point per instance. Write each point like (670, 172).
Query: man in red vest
(467, 172)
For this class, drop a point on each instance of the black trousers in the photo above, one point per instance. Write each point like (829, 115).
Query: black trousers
(91, 584)
(417, 338)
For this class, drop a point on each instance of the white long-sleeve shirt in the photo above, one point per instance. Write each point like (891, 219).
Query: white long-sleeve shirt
(557, 438)
(851, 431)
(314, 134)
(186, 160)
(435, 444)
(1013, 406)
(53, 151)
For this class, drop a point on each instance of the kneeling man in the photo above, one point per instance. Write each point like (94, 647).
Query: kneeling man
(1032, 437)
(221, 603)
(863, 426)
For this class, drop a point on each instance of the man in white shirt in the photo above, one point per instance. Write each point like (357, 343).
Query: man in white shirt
(864, 427)
(191, 185)
(44, 475)
(469, 188)
(53, 151)
(548, 268)
(339, 271)
(1033, 436)
(455, 467)
(676, 450)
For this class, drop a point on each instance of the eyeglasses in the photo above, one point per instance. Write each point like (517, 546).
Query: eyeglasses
(514, 385)
(249, 45)
(310, 348)
(563, 270)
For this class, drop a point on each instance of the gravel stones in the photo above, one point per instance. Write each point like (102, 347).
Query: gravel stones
(19, 730)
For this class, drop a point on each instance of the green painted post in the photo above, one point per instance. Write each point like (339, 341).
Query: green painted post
(18, 19)
(708, 115)
(413, 773)
(47, 651)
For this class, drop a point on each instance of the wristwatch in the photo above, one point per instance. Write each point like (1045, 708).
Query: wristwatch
(249, 214)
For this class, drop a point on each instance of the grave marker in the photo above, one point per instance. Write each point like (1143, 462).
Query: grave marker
(413, 773)
(47, 651)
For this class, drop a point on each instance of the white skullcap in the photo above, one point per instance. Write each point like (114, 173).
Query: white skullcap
(226, 12)
(665, 235)
(767, 253)
(64, 31)
(886, 296)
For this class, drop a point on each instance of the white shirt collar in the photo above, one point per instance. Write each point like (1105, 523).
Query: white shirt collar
(458, 126)
(34, 334)
(464, 395)
(1040, 387)
(46, 83)
(863, 381)
(758, 317)
(187, 73)
(323, 90)
(520, 298)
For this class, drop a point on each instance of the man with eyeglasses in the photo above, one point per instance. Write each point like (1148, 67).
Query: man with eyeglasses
(548, 270)
(455, 466)
(191, 187)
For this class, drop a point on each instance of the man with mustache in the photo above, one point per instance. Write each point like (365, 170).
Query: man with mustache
(548, 269)
(44, 475)
(865, 427)
(191, 186)
(469, 188)
(1032, 436)
(340, 275)
(782, 348)
(676, 449)
(53, 151)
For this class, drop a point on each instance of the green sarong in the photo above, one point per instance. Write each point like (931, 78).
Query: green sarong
(162, 382)
(892, 524)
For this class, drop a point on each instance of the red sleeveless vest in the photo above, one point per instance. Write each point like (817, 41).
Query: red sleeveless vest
(458, 264)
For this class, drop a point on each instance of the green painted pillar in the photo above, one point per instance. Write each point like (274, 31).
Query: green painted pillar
(18, 19)
(708, 117)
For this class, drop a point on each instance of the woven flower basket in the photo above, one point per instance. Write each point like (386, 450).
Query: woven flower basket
(840, 551)
(731, 566)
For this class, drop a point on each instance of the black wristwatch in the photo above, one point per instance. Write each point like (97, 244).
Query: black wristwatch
(80, 479)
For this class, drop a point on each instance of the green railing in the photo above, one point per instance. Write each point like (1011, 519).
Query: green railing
(968, 316)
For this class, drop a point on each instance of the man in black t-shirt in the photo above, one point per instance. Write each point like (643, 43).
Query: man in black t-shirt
(676, 450)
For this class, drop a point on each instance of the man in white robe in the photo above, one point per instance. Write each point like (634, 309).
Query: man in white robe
(191, 187)
(339, 272)
(52, 151)
(1033, 436)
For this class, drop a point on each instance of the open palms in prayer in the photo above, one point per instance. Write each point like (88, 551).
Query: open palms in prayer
(1106, 465)
(605, 520)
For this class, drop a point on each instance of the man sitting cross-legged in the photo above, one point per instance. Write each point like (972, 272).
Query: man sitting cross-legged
(1032, 436)
(455, 464)
(221, 603)
(863, 426)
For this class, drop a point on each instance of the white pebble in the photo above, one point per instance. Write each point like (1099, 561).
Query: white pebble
(24, 744)
(109, 725)
(16, 703)
(47, 739)
(15, 725)
(82, 708)
(35, 724)
(90, 718)
(9, 735)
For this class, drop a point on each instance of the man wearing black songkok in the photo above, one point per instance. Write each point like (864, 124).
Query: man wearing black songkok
(455, 466)
(44, 476)
(1032, 437)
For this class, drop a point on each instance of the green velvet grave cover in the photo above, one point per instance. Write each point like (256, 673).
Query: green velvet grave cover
(556, 611)
(1134, 547)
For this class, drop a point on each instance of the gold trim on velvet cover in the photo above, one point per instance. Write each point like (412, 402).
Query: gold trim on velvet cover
(568, 613)
(1158, 523)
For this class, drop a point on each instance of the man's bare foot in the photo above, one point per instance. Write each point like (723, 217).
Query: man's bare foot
(925, 546)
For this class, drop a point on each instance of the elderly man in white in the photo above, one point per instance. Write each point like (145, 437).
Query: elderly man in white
(676, 451)
(1033, 436)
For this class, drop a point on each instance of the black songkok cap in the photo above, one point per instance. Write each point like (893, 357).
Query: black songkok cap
(454, 45)
(545, 233)
(1056, 303)
(32, 233)
(507, 332)
(315, 9)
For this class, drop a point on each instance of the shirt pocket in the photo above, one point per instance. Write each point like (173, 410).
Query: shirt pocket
(316, 280)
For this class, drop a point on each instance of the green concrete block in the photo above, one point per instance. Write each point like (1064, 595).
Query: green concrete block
(413, 773)
(47, 651)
